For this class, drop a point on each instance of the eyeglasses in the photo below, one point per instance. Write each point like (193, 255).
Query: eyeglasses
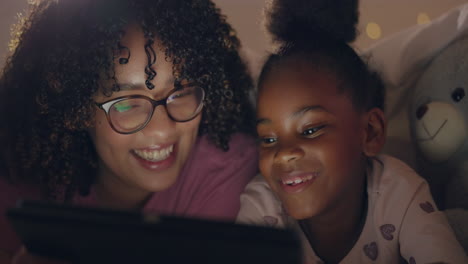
(130, 114)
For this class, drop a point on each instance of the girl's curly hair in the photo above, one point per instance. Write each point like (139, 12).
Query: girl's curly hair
(64, 51)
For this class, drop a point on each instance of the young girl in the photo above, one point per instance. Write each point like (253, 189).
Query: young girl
(138, 104)
(321, 127)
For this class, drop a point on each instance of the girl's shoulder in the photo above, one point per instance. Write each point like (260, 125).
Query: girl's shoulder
(392, 187)
(260, 206)
(400, 213)
(388, 173)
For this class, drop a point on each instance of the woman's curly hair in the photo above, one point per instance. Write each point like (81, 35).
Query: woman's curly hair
(66, 48)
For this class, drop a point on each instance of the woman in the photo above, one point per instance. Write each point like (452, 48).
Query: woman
(136, 104)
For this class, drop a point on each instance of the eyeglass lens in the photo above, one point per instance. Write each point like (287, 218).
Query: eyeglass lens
(131, 114)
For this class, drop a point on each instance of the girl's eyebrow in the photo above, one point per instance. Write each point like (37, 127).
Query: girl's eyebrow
(306, 109)
(301, 111)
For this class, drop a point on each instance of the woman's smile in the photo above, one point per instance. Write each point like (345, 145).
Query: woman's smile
(156, 159)
(154, 154)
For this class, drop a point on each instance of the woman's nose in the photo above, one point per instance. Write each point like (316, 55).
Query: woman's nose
(160, 125)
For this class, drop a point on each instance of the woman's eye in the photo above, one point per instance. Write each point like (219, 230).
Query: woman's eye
(267, 141)
(180, 94)
(122, 107)
(312, 130)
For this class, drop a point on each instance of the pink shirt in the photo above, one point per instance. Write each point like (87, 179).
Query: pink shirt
(208, 187)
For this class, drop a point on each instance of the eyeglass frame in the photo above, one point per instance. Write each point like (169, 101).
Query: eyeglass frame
(155, 103)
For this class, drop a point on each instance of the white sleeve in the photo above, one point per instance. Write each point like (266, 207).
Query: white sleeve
(259, 205)
(425, 235)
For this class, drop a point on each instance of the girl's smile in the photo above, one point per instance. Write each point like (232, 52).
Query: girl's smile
(297, 181)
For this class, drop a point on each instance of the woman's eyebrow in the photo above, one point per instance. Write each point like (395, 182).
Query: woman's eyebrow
(142, 86)
(263, 121)
(131, 86)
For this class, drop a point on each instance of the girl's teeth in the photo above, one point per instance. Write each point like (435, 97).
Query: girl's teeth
(154, 155)
(297, 181)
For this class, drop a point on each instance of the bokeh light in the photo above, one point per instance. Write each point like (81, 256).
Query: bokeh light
(423, 18)
(373, 30)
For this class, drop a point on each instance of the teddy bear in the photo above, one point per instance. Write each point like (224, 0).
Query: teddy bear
(425, 70)
(438, 118)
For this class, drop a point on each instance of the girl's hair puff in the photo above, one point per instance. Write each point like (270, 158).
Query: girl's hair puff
(318, 32)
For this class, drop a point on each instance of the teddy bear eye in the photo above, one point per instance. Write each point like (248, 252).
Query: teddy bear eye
(458, 94)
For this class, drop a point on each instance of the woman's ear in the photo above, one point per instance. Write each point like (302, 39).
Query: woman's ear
(375, 131)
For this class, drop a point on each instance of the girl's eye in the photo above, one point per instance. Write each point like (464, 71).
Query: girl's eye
(312, 130)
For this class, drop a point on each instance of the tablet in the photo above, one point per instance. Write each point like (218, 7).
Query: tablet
(96, 235)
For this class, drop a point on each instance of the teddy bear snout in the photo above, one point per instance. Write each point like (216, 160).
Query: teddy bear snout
(439, 130)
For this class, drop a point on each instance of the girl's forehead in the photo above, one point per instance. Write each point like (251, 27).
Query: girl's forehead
(300, 79)
(295, 88)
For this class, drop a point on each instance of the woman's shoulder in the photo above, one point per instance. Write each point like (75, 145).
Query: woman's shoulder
(237, 143)
(10, 194)
(241, 147)
(211, 167)
(11, 191)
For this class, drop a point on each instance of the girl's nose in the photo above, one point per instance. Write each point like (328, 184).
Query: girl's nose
(288, 155)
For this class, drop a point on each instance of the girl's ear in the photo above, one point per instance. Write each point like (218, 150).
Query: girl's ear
(375, 127)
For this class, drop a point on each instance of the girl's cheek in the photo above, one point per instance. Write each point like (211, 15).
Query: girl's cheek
(265, 163)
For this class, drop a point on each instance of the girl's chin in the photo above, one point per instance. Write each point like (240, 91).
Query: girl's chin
(299, 210)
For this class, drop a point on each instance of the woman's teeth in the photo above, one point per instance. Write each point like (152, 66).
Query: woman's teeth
(154, 155)
(297, 181)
